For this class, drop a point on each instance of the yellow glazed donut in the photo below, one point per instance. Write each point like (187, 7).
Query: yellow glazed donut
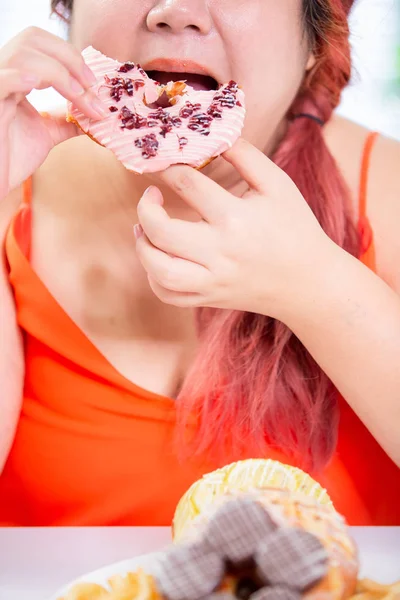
(242, 476)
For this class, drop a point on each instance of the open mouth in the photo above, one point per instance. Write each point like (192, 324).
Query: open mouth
(197, 82)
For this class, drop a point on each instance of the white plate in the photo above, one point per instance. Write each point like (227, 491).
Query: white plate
(379, 559)
(101, 576)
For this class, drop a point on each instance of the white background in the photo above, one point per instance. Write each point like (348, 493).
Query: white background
(371, 99)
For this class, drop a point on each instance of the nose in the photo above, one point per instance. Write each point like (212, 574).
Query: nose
(177, 16)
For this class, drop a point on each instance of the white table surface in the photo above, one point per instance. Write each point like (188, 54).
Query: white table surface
(35, 563)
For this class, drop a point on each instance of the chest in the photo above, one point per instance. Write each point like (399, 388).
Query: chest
(90, 268)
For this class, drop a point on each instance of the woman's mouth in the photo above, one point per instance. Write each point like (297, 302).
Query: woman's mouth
(194, 80)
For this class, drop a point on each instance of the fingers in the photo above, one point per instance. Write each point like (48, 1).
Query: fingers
(13, 81)
(63, 52)
(192, 241)
(254, 166)
(43, 60)
(175, 274)
(181, 299)
(50, 73)
(200, 192)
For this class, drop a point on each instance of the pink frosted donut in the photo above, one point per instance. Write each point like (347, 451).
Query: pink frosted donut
(152, 126)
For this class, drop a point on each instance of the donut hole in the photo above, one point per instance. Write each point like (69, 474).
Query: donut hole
(163, 101)
(246, 587)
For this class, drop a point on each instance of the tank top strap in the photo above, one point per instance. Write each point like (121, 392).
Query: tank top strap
(365, 165)
(366, 233)
(27, 191)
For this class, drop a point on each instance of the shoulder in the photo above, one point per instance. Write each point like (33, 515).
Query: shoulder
(346, 141)
(383, 207)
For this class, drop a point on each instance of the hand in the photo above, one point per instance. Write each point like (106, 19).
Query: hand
(37, 59)
(256, 253)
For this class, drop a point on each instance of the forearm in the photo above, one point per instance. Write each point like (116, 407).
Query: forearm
(349, 320)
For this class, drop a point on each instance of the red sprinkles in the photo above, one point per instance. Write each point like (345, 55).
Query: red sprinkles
(198, 121)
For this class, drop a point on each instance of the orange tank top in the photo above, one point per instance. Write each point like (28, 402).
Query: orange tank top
(92, 448)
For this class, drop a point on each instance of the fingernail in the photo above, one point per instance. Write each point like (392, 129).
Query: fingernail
(156, 197)
(89, 75)
(147, 190)
(76, 86)
(99, 107)
(138, 231)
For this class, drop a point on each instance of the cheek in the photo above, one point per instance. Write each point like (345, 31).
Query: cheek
(111, 26)
(274, 84)
(271, 57)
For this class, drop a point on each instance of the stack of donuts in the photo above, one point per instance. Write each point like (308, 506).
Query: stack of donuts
(255, 530)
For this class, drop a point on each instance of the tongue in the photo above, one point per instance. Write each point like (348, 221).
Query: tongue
(197, 82)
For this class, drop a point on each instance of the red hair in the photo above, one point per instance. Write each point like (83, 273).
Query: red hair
(253, 384)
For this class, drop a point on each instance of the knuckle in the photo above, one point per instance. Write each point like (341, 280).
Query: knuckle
(232, 224)
(168, 278)
(31, 34)
(183, 181)
(159, 238)
(156, 239)
(15, 53)
(224, 270)
(155, 235)
(165, 297)
(161, 293)
(152, 232)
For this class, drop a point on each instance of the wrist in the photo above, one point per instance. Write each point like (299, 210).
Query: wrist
(315, 286)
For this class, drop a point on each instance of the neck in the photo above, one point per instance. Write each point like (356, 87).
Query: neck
(108, 187)
(126, 188)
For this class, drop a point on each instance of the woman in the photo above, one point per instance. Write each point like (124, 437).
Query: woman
(242, 308)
